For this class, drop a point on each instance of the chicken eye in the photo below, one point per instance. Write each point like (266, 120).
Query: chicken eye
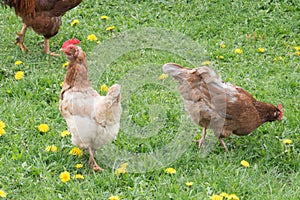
(277, 114)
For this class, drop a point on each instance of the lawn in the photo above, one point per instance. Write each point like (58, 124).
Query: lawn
(253, 44)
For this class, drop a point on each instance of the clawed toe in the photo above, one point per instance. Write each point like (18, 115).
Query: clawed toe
(19, 41)
(94, 165)
(223, 144)
(97, 168)
(200, 142)
(52, 54)
(92, 161)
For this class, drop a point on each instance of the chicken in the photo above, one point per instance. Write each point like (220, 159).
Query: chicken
(92, 120)
(43, 16)
(223, 107)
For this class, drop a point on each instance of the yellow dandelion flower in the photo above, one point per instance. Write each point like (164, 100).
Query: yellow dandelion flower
(2, 131)
(48, 148)
(224, 194)
(65, 64)
(170, 170)
(92, 37)
(74, 22)
(52, 148)
(64, 176)
(122, 169)
(216, 197)
(110, 28)
(65, 133)
(62, 84)
(297, 53)
(78, 166)
(19, 75)
(114, 198)
(287, 141)
(245, 163)
(206, 62)
(2, 193)
(278, 58)
(75, 151)
(261, 50)
(2, 124)
(104, 17)
(163, 76)
(189, 184)
(223, 45)
(220, 57)
(124, 165)
(18, 62)
(233, 197)
(103, 88)
(238, 51)
(43, 128)
(297, 48)
(78, 176)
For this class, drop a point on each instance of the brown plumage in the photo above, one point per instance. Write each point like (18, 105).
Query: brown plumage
(223, 107)
(43, 16)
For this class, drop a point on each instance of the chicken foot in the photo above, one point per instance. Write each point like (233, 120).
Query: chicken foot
(223, 143)
(47, 48)
(92, 161)
(20, 38)
(201, 140)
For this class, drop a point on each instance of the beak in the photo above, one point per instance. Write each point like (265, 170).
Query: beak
(278, 119)
(62, 50)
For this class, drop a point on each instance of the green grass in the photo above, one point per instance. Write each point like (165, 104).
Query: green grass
(186, 29)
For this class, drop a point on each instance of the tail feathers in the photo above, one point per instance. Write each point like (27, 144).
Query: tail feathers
(171, 68)
(199, 83)
(211, 79)
(177, 71)
(114, 92)
(203, 73)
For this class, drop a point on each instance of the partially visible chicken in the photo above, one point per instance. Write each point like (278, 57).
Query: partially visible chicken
(43, 16)
(222, 107)
(93, 120)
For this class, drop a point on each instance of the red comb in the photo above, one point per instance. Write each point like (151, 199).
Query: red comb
(69, 42)
(281, 111)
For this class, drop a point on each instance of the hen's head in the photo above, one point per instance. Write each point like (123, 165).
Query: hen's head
(72, 51)
(279, 112)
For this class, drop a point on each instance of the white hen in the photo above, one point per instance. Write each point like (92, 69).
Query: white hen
(93, 120)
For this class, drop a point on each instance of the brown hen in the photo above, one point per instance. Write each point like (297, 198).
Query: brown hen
(43, 16)
(223, 107)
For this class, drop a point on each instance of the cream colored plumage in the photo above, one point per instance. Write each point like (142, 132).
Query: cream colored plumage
(93, 120)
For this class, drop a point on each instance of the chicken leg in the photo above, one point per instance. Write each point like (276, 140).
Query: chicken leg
(92, 161)
(223, 143)
(47, 48)
(20, 38)
(201, 140)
